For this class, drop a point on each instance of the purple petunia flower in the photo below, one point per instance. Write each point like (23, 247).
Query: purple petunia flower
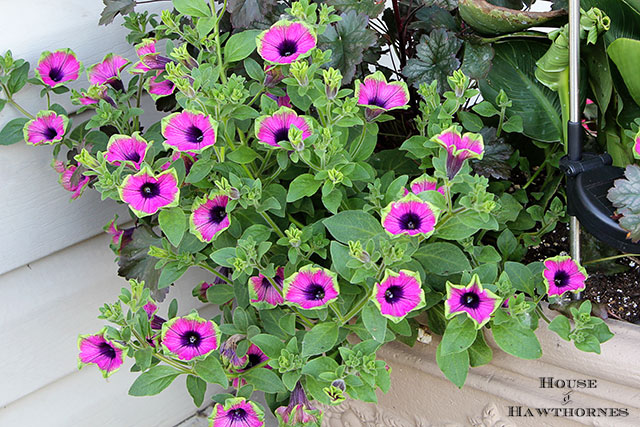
(299, 412)
(410, 215)
(127, 149)
(146, 193)
(189, 131)
(108, 71)
(282, 101)
(398, 294)
(209, 217)
(636, 146)
(274, 129)
(190, 337)
(47, 128)
(96, 349)
(55, 68)
(236, 412)
(159, 88)
(253, 358)
(146, 47)
(379, 96)
(562, 274)
(94, 94)
(459, 148)
(424, 183)
(116, 234)
(286, 42)
(476, 302)
(311, 288)
(70, 179)
(263, 294)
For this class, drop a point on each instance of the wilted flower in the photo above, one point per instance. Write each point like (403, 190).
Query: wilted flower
(299, 412)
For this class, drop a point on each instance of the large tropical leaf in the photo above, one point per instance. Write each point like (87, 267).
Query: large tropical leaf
(513, 71)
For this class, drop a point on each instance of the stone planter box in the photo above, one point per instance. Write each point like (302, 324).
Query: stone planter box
(507, 391)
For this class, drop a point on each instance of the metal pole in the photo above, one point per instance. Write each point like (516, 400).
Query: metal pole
(574, 110)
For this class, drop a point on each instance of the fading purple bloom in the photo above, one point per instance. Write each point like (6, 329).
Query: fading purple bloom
(311, 288)
(274, 129)
(146, 193)
(55, 68)
(236, 412)
(398, 294)
(459, 148)
(190, 337)
(562, 274)
(253, 358)
(299, 412)
(282, 101)
(263, 294)
(94, 94)
(477, 303)
(96, 349)
(286, 42)
(272, 75)
(189, 131)
(116, 235)
(108, 71)
(379, 96)
(228, 351)
(70, 179)
(47, 128)
(129, 150)
(409, 215)
(209, 217)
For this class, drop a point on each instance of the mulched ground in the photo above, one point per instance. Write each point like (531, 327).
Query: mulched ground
(613, 285)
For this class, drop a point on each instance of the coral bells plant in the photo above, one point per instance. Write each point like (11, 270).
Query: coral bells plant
(265, 171)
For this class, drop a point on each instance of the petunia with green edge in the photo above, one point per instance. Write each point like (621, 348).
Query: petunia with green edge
(95, 349)
(562, 274)
(129, 150)
(159, 87)
(70, 179)
(209, 217)
(107, 71)
(188, 130)
(263, 294)
(311, 288)
(398, 294)
(410, 215)
(57, 67)
(146, 193)
(274, 129)
(378, 96)
(48, 127)
(237, 412)
(473, 300)
(424, 183)
(190, 337)
(286, 42)
(636, 146)
(459, 148)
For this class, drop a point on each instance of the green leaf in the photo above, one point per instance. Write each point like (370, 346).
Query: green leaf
(561, 326)
(170, 273)
(442, 258)
(520, 276)
(319, 365)
(211, 371)
(517, 340)
(339, 257)
(477, 60)
(270, 345)
(18, 78)
(479, 352)
(143, 358)
(322, 337)
(458, 336)
(371, 8)
(222, 256)
(199, 171)
(589, 344)
(153, 381)
(470, 121)
(196, 388)
(302, 186)
(348, 39)
(374, 321)
(265, 380)
(254, 70)
(220, 294)
(115, 7)
(244, 13)
(173, 223)
(513, 71)
(485, 109)
(196, 8)
(353, 225)
(332, 200)
(240, 45)
(12, 131)
(507, 243)
(454, 366)
(435, 59)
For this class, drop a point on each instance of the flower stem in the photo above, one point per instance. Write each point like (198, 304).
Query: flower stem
(14, 103)
(221, 276)
(273, 225)
(360, 140)
(609, 258)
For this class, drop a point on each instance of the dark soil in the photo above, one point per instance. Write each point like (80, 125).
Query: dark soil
(612, 285)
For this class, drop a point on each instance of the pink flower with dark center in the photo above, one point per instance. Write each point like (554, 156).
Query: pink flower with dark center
(311, 288)
(398, 294)
(274, 129)
(379, 96)
(459, 148)
(236, 412)
(286, 42)
(209, 217)
(108, 71)
(262, 294)
(474, 301)
(189, 131)
(146, 193)
(96, 349)
(190, 337)
(47, 128)
(410, 215)
(562, 274)
(129, 150)
(55, 68)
